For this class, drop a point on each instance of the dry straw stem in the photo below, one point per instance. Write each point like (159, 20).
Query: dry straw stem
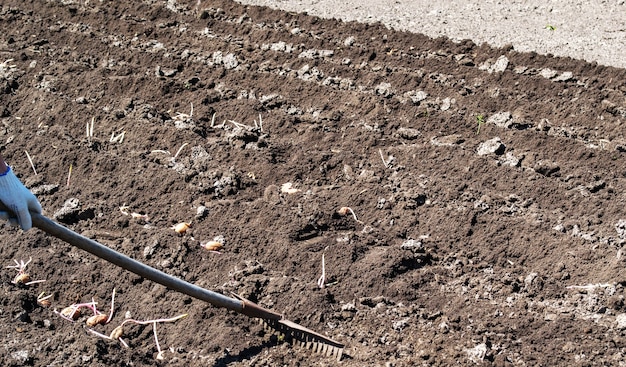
(591, 287)
(257, 125)
(179, 150)
(168, 152)
(30, 160)
(322, 280)
(183, 116)
(69, 175)
(119, 138)
(260, 125)
(241, 126)
(386, 163)
(89, 129)
(124, 209)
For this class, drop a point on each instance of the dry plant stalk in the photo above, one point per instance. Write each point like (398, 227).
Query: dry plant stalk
(119, 138)
(30, 160)
(321, 282)
(69, 175)
(89, 129)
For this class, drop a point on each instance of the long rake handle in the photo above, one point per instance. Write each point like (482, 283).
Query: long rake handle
(216, 299)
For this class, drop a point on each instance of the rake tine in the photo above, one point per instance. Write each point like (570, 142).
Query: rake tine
(307, 338)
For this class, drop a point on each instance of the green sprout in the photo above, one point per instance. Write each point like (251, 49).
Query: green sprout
(551, 27)
(480, 120)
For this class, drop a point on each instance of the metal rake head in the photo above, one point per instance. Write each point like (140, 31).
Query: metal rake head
(303, 337)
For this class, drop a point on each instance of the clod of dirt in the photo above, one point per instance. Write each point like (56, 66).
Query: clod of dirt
(71, 212)
(491, 146)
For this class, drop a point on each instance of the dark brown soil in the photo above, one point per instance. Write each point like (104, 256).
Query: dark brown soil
(489, 204)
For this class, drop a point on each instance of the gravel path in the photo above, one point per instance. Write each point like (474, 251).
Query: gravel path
(589, 30)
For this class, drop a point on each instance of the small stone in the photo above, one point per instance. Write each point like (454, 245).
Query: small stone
(201, 212)
(491, 146)
(23, 317)
(148, 251)
(400, 324)
(21, 356)
(408, 133)
(416, 96)
(546, 168)
(45, 189)
(620, 227)
(548, 73)
(446, 104)
(565, 76)
(520, 69)
(500, 65)
(385, 90)
(478, 353)
(530, 278)
(502, 119)
(119, 113)
(620, 320)
(230, 61)
(412, 244)
(510, 160)
(165, 72)
(616, 302)
(550, 317)
(70, 207)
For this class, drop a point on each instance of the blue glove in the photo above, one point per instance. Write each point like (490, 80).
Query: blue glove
(15, 196)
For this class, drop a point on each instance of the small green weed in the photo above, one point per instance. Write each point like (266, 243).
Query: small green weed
(480, 120)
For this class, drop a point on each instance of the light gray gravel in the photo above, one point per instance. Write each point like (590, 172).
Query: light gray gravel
(589, 30)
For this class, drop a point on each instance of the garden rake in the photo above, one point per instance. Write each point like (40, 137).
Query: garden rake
(290, 331)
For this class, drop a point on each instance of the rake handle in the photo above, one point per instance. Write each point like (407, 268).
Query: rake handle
(242, 306)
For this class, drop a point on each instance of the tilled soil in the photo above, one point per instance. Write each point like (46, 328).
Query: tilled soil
(485, 187)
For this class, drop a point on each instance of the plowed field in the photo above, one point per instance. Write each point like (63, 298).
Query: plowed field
(485, 187)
